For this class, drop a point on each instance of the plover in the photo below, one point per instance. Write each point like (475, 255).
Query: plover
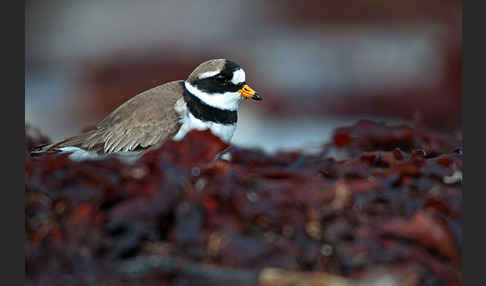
(207, 99)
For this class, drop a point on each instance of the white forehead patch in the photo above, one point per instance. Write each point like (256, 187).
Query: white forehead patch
(238, 76)
(208, 74)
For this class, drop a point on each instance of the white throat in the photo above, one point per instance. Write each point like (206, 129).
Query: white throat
(226, 101)
(189, 122)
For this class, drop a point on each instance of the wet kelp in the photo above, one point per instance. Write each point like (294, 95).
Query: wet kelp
(376, 197)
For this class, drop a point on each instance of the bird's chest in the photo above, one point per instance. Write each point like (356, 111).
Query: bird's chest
(189, 122)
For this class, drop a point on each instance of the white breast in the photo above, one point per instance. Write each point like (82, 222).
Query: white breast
(189, 122)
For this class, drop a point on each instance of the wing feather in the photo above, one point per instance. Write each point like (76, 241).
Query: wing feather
(146, 119)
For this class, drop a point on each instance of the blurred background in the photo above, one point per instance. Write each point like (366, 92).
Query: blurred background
(318, 64)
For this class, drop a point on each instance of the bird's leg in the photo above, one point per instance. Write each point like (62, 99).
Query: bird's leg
(225, 154)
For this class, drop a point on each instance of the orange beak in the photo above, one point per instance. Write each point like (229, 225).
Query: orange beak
(248, 92)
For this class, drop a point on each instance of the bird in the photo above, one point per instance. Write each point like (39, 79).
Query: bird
(207, 99)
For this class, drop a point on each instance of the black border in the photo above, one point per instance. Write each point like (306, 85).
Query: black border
(474, 190)
(13, 114)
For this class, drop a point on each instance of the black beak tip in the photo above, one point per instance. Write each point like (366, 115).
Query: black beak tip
(257, 97)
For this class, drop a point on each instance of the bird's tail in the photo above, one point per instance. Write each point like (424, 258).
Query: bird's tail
(73, 141)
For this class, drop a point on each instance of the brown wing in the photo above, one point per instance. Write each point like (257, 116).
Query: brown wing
(146, 119)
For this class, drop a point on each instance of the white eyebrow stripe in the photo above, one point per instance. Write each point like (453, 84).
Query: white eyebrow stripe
(208, 74)
(238, 76)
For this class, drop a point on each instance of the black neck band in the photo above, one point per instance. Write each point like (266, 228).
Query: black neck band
(205, 112)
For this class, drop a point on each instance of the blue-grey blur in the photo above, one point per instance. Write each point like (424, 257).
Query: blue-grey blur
(318, 64)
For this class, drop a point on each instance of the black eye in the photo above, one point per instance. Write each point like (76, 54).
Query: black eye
(222, 78)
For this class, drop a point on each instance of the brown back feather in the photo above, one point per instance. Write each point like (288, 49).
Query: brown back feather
(144, 120)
